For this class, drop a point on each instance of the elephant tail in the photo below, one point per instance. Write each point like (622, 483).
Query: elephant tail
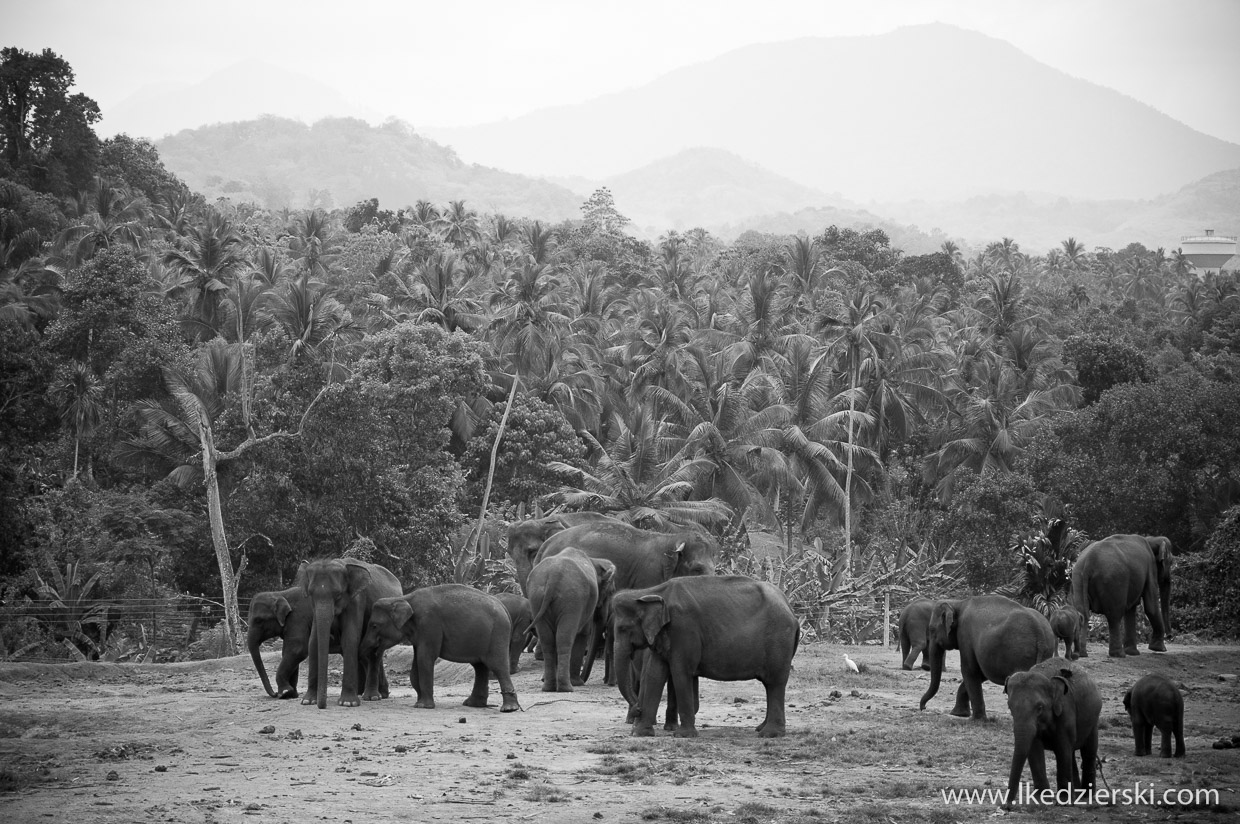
(532, 631)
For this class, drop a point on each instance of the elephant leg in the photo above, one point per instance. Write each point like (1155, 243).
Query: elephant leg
(654, 677)
(1115, 636)
(508, 692)
(973, 688)
(1164, 751)
(423, 676)
(961, 710)
(1089, 760)
(1037, 765)
(609, 651)
(349, 678)
(478, 696)
(775, 723)
(286, 676)
(1177, 727)
(546, 643)
(910, 657)
(372, 669)
(577, 672)
(1065, 764)
(686, 706)
(384, 687)
(1153, 614)
(565, 639)
(1141, 735)
(1130, 632)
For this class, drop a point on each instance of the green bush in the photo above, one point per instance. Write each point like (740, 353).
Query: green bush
(1205, 594)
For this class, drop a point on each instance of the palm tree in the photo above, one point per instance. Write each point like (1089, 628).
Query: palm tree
(207, 259)
(310, 242)
(81, 402)
(634, 478)
(440, 289)
(539, 241)
(106, 216)
(311, 317)
(860, 344)
(458, 225)
(529, 322)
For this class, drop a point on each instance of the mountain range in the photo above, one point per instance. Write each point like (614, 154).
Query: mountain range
(970, 140)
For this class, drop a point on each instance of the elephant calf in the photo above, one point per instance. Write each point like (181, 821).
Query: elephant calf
(914, 623)
(1156, 702)
(728, 628)
(569, 593)
(453, 622)
(1054, 706)
(1066, 622)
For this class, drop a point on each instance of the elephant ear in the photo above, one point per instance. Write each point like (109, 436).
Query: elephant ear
(606, 572)
(653, 616)
(671, 557)
(402, 614)
(947, 618)
(282, 609)
(299, 580)
(1064, 677)
(1005, 684)
(1161, 548)
(359, 578)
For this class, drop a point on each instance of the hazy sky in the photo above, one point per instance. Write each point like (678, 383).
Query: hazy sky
(470, 61)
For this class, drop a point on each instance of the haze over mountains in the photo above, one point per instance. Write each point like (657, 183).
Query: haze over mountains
(953, 131)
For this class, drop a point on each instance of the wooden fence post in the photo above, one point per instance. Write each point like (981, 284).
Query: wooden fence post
(886, 616)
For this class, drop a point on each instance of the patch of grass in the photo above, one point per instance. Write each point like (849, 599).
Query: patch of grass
(661, 813)
(755, 813)
(547, 793)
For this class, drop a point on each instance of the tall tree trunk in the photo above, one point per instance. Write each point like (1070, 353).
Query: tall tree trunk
(852, 404)
(215, 513)
(486, 495)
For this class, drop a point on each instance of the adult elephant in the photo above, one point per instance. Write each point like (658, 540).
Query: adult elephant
(729, 628)
(525, 538)
(996, 637)
(450, 621)
(642, 559)
(288, 614)
(569, 592)
(1111, 577)
(344, 590)
(913, 626)
(1055, 706)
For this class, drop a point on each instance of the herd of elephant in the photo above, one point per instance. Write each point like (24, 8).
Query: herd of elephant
(651, 604)
(1055, 705)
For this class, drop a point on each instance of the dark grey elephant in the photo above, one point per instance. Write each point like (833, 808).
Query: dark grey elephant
(343, 591)
(569, 593)
(1156, 702)
(453, 622)
(728, 628)
(1066, 622)
(1114, 575)
(642, 559)
(288, 614)
(1055, 706)
(522, 618)
(525, 538)
(996, 637)
(913, 626)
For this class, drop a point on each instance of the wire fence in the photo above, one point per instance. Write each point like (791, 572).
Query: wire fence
(150, 630)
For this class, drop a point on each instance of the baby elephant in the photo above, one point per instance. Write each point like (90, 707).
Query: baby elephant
(1054, 706)
(1066, 622)
(449, 621)
(1156, 702)
(569, 593)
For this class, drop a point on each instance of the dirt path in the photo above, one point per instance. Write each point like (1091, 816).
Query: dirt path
(201, 742)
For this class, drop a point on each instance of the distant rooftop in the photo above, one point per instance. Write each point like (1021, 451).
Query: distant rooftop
(1209, 237)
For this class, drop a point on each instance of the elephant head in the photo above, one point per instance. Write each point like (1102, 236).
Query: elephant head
(1161, 547)
(268, 612)
(391, 622)
(331, 585)
(693, 553)
(637, 619)
(605, 572)
(524, 540)
(941, 635)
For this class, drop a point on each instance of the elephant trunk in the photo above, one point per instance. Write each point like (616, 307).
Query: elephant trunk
(622, 665)
(937, 655)
(322, 630)
(254, 640)
(1164, 601)
(1023, 734)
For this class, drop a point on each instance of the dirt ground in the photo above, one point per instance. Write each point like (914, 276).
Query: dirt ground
(201, 742)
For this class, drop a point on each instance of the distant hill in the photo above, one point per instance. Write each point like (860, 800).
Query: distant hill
(279, 162)
(705, 187)
(922, 112)
(249, 89)
(1040, 223)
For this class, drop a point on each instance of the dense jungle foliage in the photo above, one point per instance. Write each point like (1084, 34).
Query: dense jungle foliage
(192, 390)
